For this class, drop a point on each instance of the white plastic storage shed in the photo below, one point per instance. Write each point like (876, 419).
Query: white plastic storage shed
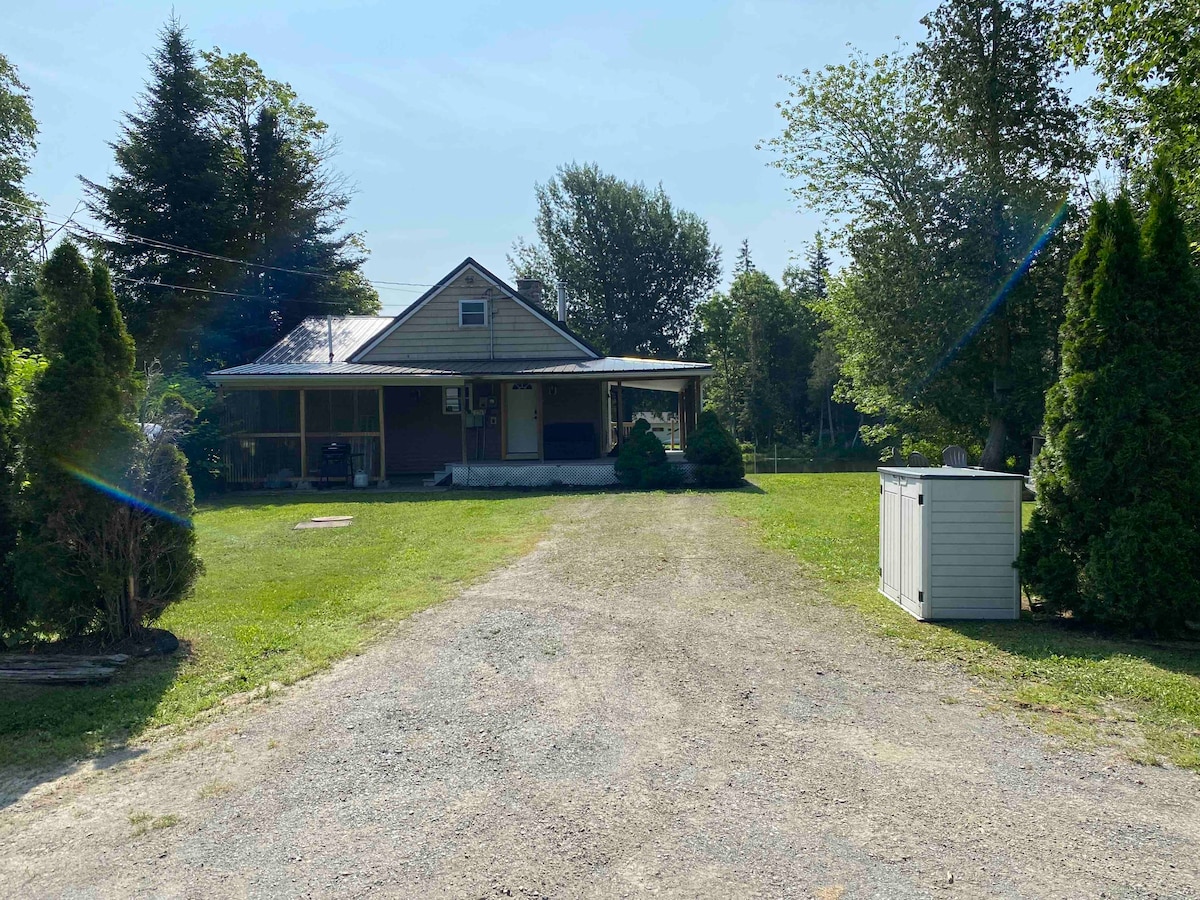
(948, 539)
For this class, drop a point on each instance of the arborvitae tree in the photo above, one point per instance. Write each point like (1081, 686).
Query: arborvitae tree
(75, 432)
(105, 538)
(1115, 537)
(169, 187)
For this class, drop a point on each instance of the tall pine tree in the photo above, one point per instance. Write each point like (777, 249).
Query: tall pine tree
(288, 213)
(169, 188)
(1115, 537)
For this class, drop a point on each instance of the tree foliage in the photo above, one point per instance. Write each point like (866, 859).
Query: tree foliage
(222, 160)
(18, 142)
(951, 167)
(636, 266)
(168, 188)
(1115, 537)
(288, 207)
(1147, 56)
(761, 339)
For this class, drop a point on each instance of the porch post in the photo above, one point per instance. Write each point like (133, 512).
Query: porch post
(620, 418)
(382, 445)
(462, 417)
(303, 439)
(680, 409)
(539, 417)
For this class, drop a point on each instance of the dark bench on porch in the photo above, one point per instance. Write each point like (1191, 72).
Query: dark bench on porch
(569, 440)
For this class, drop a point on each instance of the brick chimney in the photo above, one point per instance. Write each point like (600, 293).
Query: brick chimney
(531, 288)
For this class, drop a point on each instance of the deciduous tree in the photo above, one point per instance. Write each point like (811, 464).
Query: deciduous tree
(952, 168)
(636, 265)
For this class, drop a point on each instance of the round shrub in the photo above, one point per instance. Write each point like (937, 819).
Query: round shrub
(642, 462)
(714, 453)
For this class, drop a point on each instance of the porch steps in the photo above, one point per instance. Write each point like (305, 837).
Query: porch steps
(440, 478)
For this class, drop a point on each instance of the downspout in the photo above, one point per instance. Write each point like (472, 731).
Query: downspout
(491, 328)
(329, 326)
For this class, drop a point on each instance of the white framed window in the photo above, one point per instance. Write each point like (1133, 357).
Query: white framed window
(472, 313)
(456, 400)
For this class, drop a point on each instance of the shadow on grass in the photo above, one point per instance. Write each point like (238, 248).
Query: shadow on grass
(1036, 638)
(41, 726)
(256, 499)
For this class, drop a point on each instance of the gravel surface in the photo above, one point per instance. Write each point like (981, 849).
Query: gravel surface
(648, 703)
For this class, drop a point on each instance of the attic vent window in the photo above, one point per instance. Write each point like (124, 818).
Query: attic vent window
(472, 313)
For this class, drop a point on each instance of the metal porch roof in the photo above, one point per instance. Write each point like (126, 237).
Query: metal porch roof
(606, 366)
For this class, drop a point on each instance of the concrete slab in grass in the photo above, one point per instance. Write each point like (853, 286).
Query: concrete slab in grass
(325, 522)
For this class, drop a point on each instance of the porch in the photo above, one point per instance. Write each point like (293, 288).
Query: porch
(527, 431)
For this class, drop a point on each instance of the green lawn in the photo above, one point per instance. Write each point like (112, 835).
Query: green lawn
(1143, 697)
(276, 604)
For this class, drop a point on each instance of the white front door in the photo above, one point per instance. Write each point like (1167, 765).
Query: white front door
(520, 409)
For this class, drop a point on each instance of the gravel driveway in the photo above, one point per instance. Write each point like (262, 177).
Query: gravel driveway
(648, 703)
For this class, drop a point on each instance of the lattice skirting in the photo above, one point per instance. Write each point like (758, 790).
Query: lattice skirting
(542, 475)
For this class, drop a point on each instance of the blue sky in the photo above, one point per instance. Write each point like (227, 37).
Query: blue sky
(448, 113)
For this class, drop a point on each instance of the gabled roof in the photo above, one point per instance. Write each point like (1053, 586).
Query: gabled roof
(309, 342)
(496, 282)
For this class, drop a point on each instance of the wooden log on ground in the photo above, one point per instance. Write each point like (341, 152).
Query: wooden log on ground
(56, 668)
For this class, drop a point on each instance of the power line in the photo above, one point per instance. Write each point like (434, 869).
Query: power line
(31, 212)
(179, 287)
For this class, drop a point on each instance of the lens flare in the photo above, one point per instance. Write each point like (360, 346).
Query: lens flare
(123, 496)
(998, 298)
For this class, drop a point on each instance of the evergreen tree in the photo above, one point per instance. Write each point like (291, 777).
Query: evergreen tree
(744, 264)
(1115, 537)
(75, 432)
(22, 306)
(288, 209)
(169, 188)
(714, 453)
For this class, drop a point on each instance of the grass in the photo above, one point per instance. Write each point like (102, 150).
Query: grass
(1140, 696)
(275, 605)
(144, 822)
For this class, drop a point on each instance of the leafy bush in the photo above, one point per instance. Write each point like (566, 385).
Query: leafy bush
(1115, 537)
(642, 461)
(714, 453)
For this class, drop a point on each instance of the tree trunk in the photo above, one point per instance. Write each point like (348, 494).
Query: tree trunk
(993, 451)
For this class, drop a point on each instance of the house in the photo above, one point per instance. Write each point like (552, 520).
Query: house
(474, 383)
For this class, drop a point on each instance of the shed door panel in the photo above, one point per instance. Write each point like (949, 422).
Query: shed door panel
(889, 536)
(912, 547)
